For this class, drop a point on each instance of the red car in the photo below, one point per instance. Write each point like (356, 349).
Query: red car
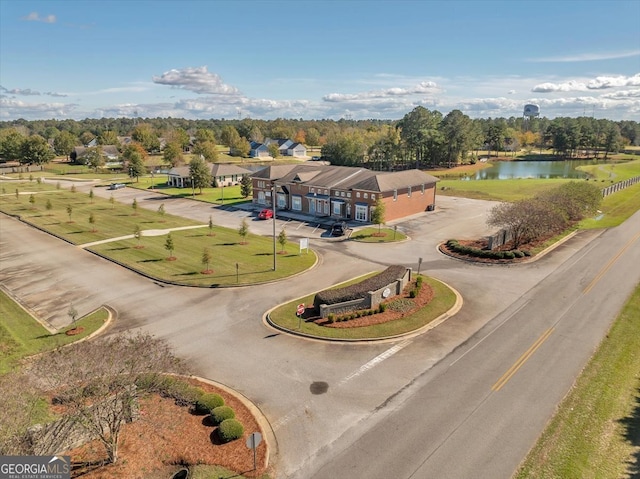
(265, 214)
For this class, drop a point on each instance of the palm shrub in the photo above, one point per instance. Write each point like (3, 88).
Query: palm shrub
(222, 413)
(208, 402)
(229, 430)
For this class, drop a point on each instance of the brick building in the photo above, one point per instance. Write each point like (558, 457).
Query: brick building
(344, 192)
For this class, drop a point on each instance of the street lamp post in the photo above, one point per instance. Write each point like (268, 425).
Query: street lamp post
(273, 207)
(193, 188)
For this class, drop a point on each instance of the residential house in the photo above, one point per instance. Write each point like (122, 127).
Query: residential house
(344, 192)
(110, 153)
(286, 147)
(297, 149)
(258, 149)
(223, 174)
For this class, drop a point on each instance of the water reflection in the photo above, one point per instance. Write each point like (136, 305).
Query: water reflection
(506, 170)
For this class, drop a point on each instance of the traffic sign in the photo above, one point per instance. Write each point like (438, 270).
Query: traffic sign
(300, 310)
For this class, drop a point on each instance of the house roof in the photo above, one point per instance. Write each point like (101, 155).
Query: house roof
(107, 150)
(345, 177)
(217, 169)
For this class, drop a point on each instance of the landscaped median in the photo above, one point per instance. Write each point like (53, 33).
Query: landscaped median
(417, 311)
(195, 255)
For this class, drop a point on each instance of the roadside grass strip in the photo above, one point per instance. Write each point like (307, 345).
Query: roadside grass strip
(21, 335)
(595, 432)
(377, 235)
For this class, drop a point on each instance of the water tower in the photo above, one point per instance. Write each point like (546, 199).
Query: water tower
(530, 111)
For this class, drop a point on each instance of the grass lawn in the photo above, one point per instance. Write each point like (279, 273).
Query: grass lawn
(596, 430)
(110, 220)
(616, 209)
(443, 300)
(227, 195)
(21, 335)
(612, 171)
(254, 260)
(370, 235)
(498, 190)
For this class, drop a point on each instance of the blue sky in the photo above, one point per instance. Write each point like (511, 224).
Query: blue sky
(314, 60)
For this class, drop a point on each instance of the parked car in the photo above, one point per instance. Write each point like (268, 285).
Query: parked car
(116, 186)
(339, 228)
(265, 214)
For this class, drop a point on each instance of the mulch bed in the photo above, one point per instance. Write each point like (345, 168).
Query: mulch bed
(167, 435)
(483, 244)
(423, 298)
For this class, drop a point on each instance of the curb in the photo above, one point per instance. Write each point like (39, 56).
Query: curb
(266, 319)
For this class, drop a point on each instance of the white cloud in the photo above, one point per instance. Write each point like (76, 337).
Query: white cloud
(587, 57)
(421, 88)
(35, 17)
(197, 80)
(623, 94)
(570, 85)
(602, 82)
(13, 108)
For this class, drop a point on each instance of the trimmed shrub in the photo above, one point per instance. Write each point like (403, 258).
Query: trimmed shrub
(222, 413)
(359, 290)
(518, 254)
(229, 430)
(509, 255)
(412, 293)
(527, 253)
(382, 307)
(208, 402)
(419, 281)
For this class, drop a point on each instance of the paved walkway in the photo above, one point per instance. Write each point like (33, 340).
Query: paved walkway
(143, 233)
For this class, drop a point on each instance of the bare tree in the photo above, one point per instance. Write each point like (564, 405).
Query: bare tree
(20, 401)
(98, 383)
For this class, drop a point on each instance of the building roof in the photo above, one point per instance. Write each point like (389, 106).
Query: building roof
(226, 169)
(345, 177)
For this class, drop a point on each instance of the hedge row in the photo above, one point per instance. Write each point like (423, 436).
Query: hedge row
(229, 429)
(359, 290)
(456, 247)
(170, 387)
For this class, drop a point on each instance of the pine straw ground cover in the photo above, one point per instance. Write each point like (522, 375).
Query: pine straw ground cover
(167, 436)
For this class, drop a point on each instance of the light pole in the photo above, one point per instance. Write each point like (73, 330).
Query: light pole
(273, 208)
(193, 188)
(151, 179)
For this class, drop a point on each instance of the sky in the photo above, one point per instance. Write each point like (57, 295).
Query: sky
(326, 59)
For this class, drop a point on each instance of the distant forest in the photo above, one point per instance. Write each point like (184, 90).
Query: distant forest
(423, 138)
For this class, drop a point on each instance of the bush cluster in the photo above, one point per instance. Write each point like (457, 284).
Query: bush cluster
(456, 247)
(222, 413)
(229, 430)
(170, 387)
(208, 402)
(359, 290)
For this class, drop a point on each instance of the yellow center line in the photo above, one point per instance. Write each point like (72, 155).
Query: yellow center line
(606, 267)
(521, 360)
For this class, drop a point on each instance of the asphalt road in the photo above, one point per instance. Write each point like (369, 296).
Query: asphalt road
(427, 398)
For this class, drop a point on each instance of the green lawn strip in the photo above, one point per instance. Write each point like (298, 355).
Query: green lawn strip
(228, 195)
(369, 235)
(594, 433)
(110, 220)
(612, 172)
(498, 190)
(21, 335)
(254, 259)
(616, 208)
(443, 300)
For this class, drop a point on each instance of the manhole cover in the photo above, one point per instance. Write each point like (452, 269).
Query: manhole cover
(319, 387)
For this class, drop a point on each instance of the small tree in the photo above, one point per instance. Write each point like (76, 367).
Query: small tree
(92, 222)
(73, 188)
(32, 199)
(72, 313)
(137, 234)
(91, 195)
(169, 246)
(30, 177)
(246, 186)
(49, 206)
(282, 239)
(210, 226)
(69, 211)
(243, 231)
(112, 200)
(274, 151)
(206, 260)
(17, 194)
(378, 213)
(161, 210)
(134, 205)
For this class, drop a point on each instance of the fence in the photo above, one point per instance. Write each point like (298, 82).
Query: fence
(20, 169)
(620, 186)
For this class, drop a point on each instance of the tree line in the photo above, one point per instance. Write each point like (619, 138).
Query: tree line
(423, 138)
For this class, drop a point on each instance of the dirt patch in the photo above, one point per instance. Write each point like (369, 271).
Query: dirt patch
(167, 435)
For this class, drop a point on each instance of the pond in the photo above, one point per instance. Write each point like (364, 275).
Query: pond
(506, 170)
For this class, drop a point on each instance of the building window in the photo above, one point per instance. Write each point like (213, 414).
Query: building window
(361, 213)
(373, 197)
(326, 192)
(336, 208)
(409, 192)
(261, 198)
(348, 194)
(395, 195)
(357, 194)
(296, 203)
(365, 195)
(312, 190)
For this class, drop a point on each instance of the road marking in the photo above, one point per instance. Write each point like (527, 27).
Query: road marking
(491, 332)
(378, 359)
(611, 262)
(521, 360)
